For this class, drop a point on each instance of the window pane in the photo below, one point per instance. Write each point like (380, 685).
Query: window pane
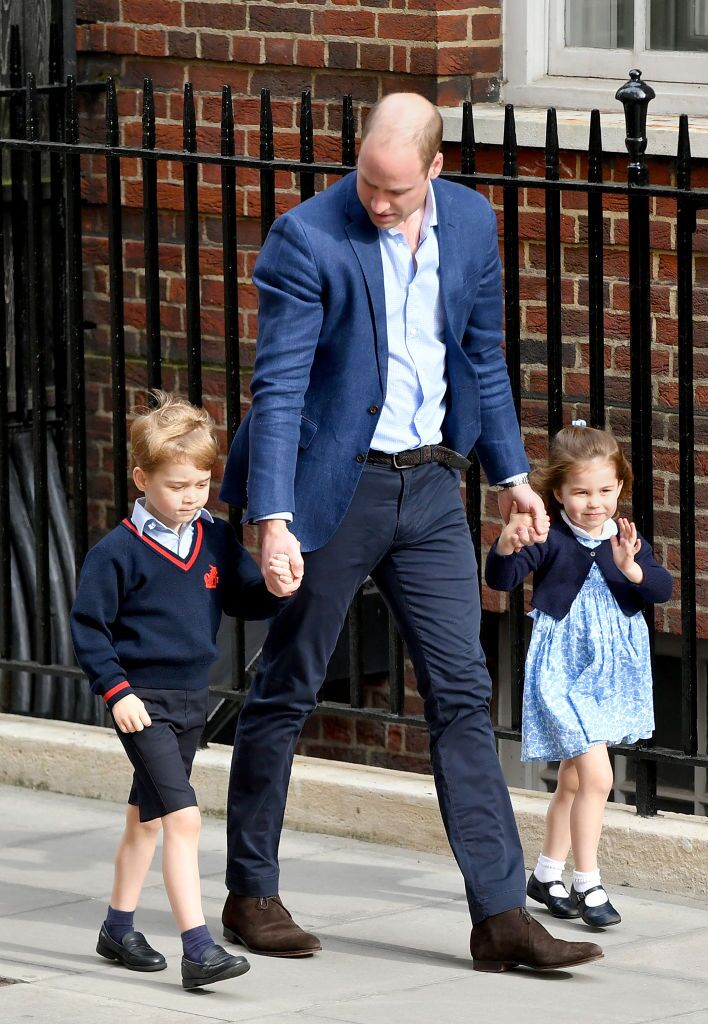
(608, 24)
(678, 25)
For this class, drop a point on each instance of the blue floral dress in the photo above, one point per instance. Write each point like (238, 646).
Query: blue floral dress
(588, 675)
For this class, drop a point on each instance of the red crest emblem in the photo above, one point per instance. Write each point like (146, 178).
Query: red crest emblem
(211, 578)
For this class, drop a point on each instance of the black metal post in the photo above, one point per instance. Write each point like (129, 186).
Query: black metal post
(686, 225)
(5, 550)
(554, 338)
(635, 96)
(231, 336)
(356, 652)
(191, 252)
(151, 243)
(115, 277)
(596, 278)
(513, 362)
(75, 329)
(396, 682)
(18, 220)
(57, 235)
(33, 159)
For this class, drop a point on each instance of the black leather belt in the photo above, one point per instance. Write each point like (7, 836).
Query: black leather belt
(419, 457)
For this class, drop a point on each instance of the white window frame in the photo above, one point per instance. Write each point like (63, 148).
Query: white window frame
(533, 30)
(594, 62)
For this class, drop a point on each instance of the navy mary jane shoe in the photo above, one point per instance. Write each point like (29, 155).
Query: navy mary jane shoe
(597, 917)
(559, 906)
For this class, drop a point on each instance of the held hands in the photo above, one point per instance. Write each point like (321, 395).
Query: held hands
(625, 545)
(130, 714)
(526, 500)
(281, 562)
(521, 530)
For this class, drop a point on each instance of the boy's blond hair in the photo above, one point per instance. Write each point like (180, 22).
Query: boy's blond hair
(173, 431)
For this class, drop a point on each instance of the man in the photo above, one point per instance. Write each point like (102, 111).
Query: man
(378, 361)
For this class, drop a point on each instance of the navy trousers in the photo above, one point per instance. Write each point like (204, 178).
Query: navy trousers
(407, 530)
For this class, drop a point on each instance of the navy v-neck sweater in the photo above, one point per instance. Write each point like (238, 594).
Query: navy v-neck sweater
(144, 616)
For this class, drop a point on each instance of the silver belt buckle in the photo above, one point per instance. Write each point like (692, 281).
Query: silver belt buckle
(394, 456)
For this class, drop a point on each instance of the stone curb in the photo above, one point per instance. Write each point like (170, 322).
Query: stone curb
(668, 853)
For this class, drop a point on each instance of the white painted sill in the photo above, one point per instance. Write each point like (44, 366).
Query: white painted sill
(573, 129)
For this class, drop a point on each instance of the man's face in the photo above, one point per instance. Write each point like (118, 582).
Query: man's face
(391, 181)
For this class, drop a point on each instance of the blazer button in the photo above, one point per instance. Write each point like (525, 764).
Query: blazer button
(373, 409)
(592, 554)
(361, 458)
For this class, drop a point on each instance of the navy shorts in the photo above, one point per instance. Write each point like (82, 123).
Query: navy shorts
(162, 754)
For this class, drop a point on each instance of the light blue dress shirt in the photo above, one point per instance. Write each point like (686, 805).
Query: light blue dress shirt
(414, 407)
(178, 542)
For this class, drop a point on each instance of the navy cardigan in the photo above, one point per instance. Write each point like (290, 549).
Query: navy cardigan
(562, 564)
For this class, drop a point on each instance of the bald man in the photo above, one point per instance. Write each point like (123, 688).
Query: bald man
(378, 369)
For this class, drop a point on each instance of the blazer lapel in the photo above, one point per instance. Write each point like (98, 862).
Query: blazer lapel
(450, 251)
(364, 240)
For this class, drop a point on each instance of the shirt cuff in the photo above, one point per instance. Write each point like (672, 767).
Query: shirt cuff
(286, 517)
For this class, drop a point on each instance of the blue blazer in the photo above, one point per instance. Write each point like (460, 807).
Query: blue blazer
(321, 359)
(562, 565)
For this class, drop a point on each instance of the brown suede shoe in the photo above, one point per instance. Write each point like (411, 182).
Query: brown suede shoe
(514, 938)
(263, 925)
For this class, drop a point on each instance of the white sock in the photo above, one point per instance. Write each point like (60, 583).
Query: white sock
(548, 870)
(584, 880)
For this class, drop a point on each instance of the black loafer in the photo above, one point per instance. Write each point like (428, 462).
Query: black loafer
(216, 965)
(133, 952)
(597, 917)
(559, 906)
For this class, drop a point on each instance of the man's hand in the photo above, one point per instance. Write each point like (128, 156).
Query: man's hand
(130, 714)
(277, 540)
(526, 501)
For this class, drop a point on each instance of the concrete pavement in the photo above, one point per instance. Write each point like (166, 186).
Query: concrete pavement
(393, 923)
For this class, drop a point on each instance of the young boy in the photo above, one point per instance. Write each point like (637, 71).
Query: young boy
(144, 624)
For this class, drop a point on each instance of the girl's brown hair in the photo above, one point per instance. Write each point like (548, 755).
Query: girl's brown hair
(571, 447)
(173, 431)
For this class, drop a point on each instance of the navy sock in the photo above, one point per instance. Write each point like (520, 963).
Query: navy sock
(118, 923)
(195, 941)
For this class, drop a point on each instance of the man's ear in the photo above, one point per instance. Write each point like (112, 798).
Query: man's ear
(436, 166)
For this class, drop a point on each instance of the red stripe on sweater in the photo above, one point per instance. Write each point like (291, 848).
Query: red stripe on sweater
(116, 689)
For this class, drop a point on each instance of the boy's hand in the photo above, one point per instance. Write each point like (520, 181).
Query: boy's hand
(277, 541)
(522, 530)
(130, 714)
(625, 545)
(279, 566)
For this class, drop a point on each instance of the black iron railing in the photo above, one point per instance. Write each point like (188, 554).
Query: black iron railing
(60, 372)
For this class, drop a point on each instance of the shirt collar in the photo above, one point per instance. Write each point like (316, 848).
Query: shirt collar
(430, 216)
(609, 529)
(141, 519)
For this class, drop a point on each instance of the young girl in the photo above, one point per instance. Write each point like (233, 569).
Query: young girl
(588, 674)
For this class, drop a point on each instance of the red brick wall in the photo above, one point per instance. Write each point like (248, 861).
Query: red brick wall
(366, 48)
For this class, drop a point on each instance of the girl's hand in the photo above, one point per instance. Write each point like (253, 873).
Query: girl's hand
(279, 566)
(521, 531)
(625, 546)
(130, 714)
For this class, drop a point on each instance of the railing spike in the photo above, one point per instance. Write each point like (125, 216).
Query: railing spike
(348, 132)
(15, 57)
(227, 122)
(595, 148)
(189, 119)
(112, 126)
(307, 146)
(148, 114)
(267, 151)
(31, 109)
(683, 154)
(467, 141)
(509, 144)
(552, 147)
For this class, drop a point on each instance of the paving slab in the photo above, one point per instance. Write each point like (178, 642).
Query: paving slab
(393, 923)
